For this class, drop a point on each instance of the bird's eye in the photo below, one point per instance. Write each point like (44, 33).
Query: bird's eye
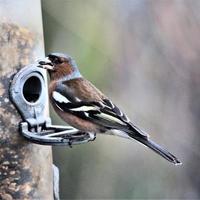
(57, 61)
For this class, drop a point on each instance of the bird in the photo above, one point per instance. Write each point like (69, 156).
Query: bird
(80, 104)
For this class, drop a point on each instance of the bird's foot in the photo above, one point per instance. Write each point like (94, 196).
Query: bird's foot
(92, 136)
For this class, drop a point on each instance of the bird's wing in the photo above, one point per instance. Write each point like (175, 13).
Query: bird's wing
(103, 113)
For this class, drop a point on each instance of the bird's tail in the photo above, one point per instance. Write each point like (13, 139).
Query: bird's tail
(159, 150)
(141, 137)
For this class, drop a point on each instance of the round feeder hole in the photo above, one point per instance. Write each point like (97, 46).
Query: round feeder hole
(32, 89)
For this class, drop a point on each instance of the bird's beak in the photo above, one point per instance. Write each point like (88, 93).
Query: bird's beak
(46, 64)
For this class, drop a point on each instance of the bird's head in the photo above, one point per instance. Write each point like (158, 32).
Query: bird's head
(60, 66)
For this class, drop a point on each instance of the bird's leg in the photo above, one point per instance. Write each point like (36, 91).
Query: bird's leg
(81, 138)
(92, 136)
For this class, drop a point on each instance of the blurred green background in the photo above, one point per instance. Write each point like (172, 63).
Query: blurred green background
(145, 56)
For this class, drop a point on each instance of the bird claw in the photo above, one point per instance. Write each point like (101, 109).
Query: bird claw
(70, 144)
(81, 138)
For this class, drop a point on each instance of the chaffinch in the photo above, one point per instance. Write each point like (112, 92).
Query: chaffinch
(79, 103)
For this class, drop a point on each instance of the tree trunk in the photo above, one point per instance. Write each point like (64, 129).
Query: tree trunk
(25, 168)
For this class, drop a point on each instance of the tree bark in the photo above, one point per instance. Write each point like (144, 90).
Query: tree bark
(25, 168)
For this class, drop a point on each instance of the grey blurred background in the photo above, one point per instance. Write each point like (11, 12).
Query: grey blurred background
(145, 56)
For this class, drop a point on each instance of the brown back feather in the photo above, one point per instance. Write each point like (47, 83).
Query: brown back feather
(85, 90)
